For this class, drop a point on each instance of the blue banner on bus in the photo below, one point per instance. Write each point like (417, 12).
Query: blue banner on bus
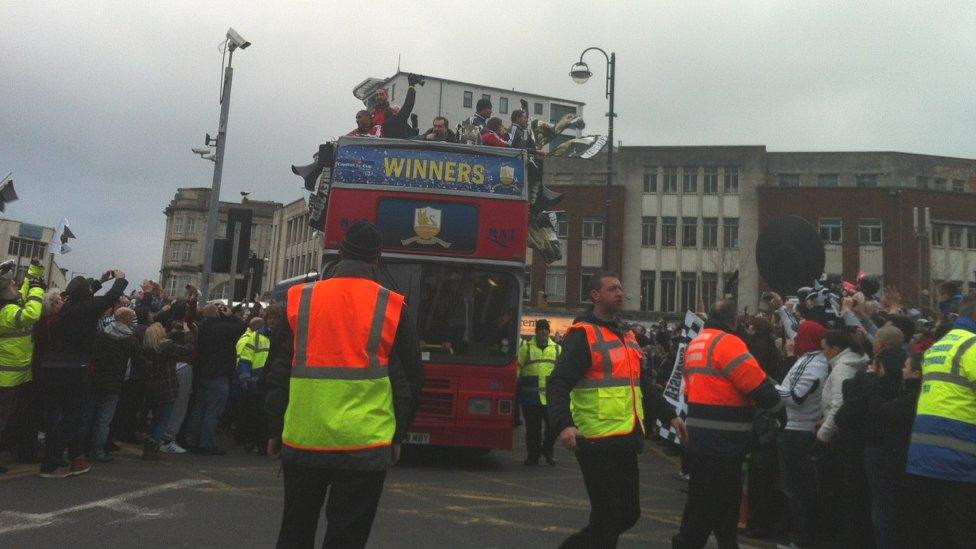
(428, 225)
(430, 169)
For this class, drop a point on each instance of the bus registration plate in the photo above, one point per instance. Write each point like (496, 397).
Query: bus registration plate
(418, 438)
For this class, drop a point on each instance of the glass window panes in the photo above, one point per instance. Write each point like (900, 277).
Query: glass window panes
(670, 179)
(971, 238)
(468, 101)
(174, 252)
(648, 231)
(869, 231)
(955, 237)
(669, 231)
(730, 232)
(537, 109)
(830, 230)
(867, 180)
(827, 180)
(187, 252)
(689, 179)
(788, 180)
(939, 183)
(556, 284)
(557, 111)
(689, 294)
(486, 96)
(178, 224)
(650, 181)
(709, 288)
(562, 224)
(668, 292)
(191, 226)
(689, 231)
(958, 185)
(709, 232)
(647, 290)
(503, 105)
(592, 227)
(731, 179)
(710, 183)
(584, 290)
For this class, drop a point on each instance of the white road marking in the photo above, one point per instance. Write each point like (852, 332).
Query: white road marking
(13, 521)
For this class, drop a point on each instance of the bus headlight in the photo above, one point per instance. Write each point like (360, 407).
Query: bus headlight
(479, 406)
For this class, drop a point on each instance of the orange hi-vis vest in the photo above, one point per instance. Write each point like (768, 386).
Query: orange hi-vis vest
(340, 397)
(720, 373)
(608, 400)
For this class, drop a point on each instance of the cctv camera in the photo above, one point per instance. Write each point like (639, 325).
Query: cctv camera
(200, 150)
(237, 41)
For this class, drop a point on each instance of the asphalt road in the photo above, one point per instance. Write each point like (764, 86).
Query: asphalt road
(432, 499)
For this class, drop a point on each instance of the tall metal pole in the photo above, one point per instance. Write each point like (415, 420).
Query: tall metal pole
(215, 186)
(609, 190)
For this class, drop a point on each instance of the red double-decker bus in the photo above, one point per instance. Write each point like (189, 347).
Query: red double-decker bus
(453, 219)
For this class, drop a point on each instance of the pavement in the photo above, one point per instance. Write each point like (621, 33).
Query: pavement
(433, 498)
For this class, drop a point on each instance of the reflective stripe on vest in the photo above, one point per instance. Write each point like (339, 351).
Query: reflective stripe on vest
(535, 372)
(708, 371)
(340, 393)
(608, 400)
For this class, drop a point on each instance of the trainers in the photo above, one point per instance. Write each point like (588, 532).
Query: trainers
(60, 472)
(172, 447)
(79, 466)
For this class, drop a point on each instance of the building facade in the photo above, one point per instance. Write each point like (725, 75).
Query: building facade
(184, 244)
(296, 248)
(25, 241)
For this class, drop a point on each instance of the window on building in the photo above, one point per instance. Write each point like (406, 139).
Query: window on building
(689, 179)
(730, 232)
(670, 179)
(710, 184)
(958, 185)
(178, 225)
(937, 235)
(537, 109)
(222, 229)
(870, 231)
(562, 224)
(866, 180)
(557, 111)
(939, 183)
(731, 179)
(689, 292)
(503, 105)
(648, 231)
(669, 231)
(668, 292)
(788, 179)
(486, 96)
(174, 252)
(527, 284)
(921, 182)
(827, 180)
(689, 231)
(709, 288)
(468, 101)
(647, 290)
(25, 247)
(650, 181)
(955, 237)
(831, 230)
(191, 226)
(971, 238)
(709, 232)
(556, 284)
(584, 291)
(592, 227)
(187, 252)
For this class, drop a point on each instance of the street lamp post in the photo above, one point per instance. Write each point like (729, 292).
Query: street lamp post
(233, 42)
(580, 73)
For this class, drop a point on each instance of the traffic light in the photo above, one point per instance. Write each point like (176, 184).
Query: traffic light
(310, 172)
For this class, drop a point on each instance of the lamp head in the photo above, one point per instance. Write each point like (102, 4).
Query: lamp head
(236, 40)
(580, 72)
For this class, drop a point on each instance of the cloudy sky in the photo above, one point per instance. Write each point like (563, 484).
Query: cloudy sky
(102, 101)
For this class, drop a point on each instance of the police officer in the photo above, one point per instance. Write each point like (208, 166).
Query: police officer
(599, 372)
(942, 454)
(342, 402)
(18, 313)
(722, 383)
(252, 354)
(537, 357)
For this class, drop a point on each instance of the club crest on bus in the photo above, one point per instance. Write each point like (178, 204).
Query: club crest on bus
(507, 175)
(427, 225)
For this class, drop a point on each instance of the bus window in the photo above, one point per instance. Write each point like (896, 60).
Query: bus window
(468, 315)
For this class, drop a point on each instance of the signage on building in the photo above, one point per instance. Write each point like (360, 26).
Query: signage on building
(27, 230)
(558, 324)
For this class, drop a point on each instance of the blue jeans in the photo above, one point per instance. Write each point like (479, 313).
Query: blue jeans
(103, 409)
(160, 418)
(210, 401)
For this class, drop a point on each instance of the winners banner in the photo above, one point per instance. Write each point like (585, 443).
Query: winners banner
(673, 391)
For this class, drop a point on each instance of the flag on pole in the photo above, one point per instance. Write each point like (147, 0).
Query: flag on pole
(59, 243)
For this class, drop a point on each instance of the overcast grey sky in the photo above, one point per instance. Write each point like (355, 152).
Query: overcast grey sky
(103, 100)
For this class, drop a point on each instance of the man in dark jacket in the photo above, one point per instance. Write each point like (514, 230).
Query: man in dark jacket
(113, 348)
(352, 477)
(64, 372)
(394, 121)
(440, 131)
(216, 358)
(608, 461)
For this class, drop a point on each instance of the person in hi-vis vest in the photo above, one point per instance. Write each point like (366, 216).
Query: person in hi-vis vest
(536, 360)
(340, 404)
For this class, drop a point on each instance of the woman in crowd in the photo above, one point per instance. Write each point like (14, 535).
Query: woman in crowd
(160, 354)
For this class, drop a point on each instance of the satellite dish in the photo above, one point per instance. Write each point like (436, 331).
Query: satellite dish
(789, 254)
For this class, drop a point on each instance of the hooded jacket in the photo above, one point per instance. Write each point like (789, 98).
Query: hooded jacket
(79, 321)
(865, 393)
(217, 347)
(111, 352)
(843, 367)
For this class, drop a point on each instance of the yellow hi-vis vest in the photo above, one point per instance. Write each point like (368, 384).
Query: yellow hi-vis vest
(535, 365)
(340, 397)
(253, 347)
(608, 400)
(944, 436)
(16, 339)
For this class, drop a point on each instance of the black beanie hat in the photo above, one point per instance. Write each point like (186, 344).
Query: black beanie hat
(541, 324)
(483, 103)
(362, 241)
